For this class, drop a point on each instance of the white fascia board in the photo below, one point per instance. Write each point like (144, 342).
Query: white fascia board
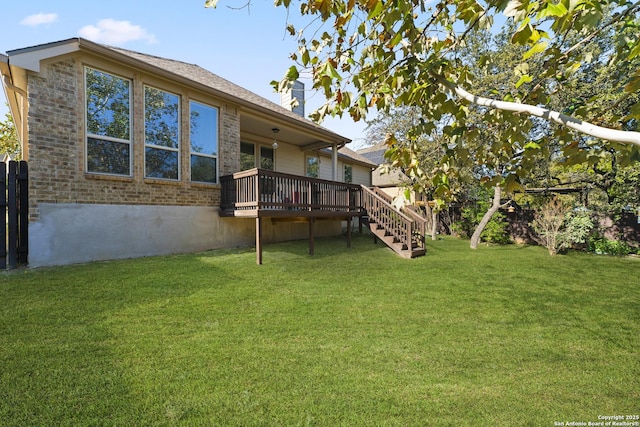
(29, 59)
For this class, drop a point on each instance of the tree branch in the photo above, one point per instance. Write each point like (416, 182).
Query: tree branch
(625, 137)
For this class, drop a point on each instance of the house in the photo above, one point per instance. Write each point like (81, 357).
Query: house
(135, 155)
(392, 181)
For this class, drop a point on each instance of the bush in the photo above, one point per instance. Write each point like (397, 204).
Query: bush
(603, 246)
(579, 226)
(494, 232)
(549, 226)
(558, 228)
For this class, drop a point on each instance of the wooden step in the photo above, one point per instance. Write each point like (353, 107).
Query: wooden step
(397, 247)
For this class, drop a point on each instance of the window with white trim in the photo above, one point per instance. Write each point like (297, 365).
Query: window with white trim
(108, 123)
(161, 134)
(204, 142)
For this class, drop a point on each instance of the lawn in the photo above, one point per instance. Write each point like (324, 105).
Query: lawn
(504, 335)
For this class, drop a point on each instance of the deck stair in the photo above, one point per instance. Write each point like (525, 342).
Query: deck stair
(403, 231)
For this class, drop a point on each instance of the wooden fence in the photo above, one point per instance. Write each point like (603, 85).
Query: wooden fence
(15, 203)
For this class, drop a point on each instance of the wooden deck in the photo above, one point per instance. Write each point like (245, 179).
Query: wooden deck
(259, 193)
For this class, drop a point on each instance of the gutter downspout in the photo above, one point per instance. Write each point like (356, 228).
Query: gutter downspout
(23, 119)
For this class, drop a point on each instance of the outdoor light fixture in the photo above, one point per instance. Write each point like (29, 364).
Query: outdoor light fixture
(275, 139)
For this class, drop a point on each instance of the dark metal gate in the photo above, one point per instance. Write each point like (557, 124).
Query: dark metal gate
(14, 236)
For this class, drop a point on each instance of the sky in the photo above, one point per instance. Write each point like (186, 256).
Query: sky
(248, 46)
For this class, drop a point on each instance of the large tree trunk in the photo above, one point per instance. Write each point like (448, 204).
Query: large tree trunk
(434, 224)
(431, 215)
(497, 195)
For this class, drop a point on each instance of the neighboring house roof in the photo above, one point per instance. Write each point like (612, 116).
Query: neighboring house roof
(350, 156)
(181, 72)
(391, 178)
(375, 153)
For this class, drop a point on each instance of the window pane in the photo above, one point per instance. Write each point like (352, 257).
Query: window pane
(204, 140)
(247, 156)
(266, 158)
(204, 129)
(161, 163)
(312, 166)
(161, 118)
(107, 105)
(348, 173)
(108, 156)
(203, 169)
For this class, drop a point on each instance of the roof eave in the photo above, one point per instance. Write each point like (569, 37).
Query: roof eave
(31, 57)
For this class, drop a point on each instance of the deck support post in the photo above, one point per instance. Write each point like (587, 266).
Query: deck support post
(311, 238)
(349, 226)
(259, 241)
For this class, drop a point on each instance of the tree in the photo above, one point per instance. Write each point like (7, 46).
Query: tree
(374, 53)
(9, 143)
(416, 156)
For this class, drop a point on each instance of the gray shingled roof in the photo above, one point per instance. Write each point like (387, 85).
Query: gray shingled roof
(189, 74)
(375, 153)
(207, 78)
(347, 153)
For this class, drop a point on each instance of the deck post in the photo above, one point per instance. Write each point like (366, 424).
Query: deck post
(311, 239)
(259, 241)
(334, 162)
(349, 226)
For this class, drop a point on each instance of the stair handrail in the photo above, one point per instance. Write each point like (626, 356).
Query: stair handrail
(407, 234)
(410, 211)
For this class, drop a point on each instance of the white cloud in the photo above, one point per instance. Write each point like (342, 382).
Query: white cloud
(114, 32)
(39, 19)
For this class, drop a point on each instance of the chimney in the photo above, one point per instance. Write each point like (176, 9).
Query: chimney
(292, 98)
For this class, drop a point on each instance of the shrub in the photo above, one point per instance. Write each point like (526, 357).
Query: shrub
(494, 232)
(579, 226)
(603, 246)
(549, 226)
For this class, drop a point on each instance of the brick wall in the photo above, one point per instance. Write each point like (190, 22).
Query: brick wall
(57, 147)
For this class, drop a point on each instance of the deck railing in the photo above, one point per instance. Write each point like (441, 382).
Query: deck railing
(421, 224)
(395, 223)
(256, 191)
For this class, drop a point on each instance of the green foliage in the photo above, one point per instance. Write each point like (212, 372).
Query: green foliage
(603, 246)
(9, 143)
(496, 230)
(379, 56)
(470, 216)
(579, 226)
(559, 228)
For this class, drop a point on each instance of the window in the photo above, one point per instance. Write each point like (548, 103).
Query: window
(348, 174)
(267, 158)
(108, 121)
(248, 156)
(312, 166)
(204, 142)
(161, 134)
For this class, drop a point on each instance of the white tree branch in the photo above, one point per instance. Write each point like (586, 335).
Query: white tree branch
(626, 137)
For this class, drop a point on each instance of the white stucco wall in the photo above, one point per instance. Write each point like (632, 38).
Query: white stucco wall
(75, 233)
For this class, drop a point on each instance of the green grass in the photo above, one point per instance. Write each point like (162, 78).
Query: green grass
(498, 336)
